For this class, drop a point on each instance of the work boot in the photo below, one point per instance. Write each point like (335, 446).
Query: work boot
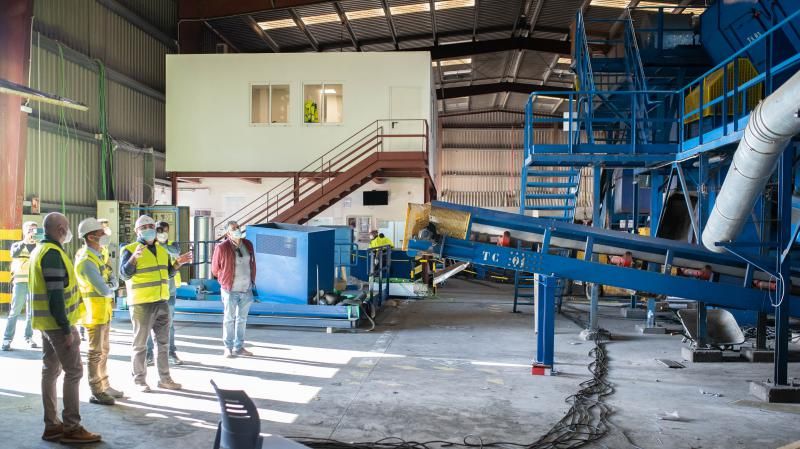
(150, 360)
(143, 387)
(229, 353)
(102, 399)
(173, 358)
(244, 352)
(53, 433)
(32, 344)
(169, 384)
(114, 393)
(6, 346)
(79, 436)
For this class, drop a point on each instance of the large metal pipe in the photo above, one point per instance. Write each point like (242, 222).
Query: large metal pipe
(772, 123)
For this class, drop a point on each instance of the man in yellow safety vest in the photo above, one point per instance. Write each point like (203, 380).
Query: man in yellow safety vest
(162, 236)
(56, 308)
(146, 267)
(20, 258)
(96, 284)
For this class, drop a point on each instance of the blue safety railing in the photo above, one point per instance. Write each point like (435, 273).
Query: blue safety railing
(722, 116)
(617, 127)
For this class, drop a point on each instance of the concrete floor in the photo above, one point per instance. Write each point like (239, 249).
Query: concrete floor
(440, 368)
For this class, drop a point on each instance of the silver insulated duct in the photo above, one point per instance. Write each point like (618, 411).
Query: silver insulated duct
(772, 123)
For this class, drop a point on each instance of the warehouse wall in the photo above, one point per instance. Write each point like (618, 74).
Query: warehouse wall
(83, 51)
(208, 107)
(224, 196)
(482, 160)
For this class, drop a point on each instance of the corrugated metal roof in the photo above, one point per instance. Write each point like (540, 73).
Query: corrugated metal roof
(163, 14)
(238, 32)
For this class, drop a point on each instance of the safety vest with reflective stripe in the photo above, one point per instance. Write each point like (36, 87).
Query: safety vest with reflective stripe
(150, 283)
(20, 265)
(380, 241)
(98, 307)
(42, 319)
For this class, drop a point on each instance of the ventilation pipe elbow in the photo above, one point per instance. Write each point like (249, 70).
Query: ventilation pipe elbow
(772, 124)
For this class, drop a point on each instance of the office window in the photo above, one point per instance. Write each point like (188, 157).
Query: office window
(269, 103)
(322, 103)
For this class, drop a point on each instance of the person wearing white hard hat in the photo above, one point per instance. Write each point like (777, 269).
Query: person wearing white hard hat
(146, 268)
(96, 285)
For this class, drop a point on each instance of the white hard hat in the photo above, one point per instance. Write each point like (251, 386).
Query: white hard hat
(89, 225)
(144, 220)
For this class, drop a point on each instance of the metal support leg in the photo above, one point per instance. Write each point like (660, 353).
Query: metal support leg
(761, 331)
(633, 302)
(702, 331)
(651, 312)
(784, 227)
(545, 318)
(593, 308)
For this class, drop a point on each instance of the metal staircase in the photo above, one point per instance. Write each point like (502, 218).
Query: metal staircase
(550, 191)
(384, 148)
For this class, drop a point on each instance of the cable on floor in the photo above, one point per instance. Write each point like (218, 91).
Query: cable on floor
(586, 421)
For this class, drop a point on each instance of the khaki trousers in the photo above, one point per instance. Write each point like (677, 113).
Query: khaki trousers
(55, 357)
(150, 318)
(97, 357)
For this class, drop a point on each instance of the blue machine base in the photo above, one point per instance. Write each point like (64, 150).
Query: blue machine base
(263, 313)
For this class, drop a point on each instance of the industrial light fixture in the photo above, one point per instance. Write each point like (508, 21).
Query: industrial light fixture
(276, 24)
(548, 97)
(364, 14)
(563, 60)
(610, 3)
(368, 13)
(456, 72)
(448, 62)
(8, 87)
(323, 18)
(329, 91)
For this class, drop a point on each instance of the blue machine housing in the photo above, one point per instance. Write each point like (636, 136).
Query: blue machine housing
(288, 258)
(729, 25)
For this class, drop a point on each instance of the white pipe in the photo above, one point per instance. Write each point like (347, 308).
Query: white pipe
(772, 123)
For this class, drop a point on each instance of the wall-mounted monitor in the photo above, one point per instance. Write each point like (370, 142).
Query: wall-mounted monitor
(376, 198)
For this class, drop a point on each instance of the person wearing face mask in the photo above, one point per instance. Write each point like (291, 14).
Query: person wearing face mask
(97, 287)
(234, 265)
(20, 262)
(162, 236)
(57, 307)
(105, 257)
(146, 268)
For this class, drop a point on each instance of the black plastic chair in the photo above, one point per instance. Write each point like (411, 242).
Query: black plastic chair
(240, 426)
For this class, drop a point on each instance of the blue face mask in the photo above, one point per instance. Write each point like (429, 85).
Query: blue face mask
(148, 235)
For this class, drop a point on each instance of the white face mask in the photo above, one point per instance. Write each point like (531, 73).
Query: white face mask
(236, 234)
(68, 237)
(104, 240)
(162, 237)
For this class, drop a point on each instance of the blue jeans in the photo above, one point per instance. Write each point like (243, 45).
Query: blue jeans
(237, 306)
(172, 348)
(19, 298)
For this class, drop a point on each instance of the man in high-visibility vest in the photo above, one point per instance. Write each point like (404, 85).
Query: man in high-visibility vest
(96, 283)
(146, 268)
(162, 236)
(56, 308)
(379, 239)
(20, 257)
